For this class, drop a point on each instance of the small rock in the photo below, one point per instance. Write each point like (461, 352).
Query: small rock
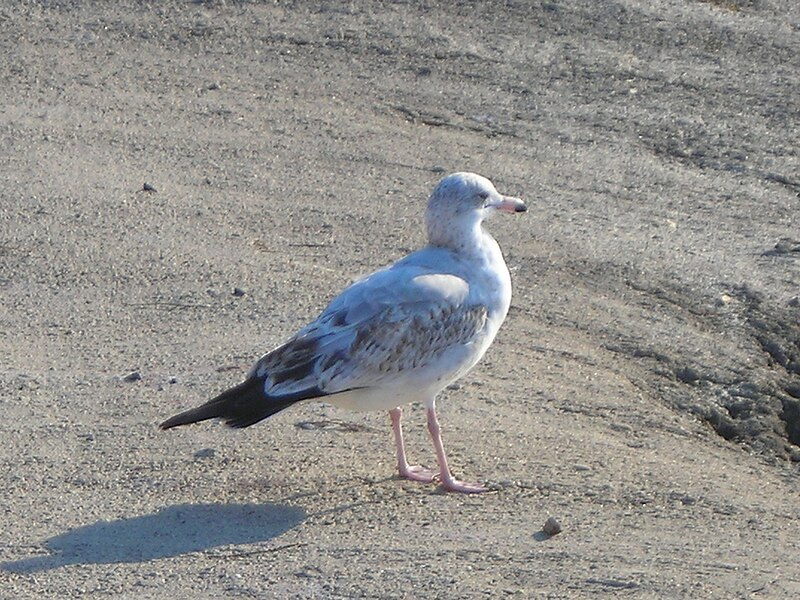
(795, 301)
(149, 188)
(724, 300)
(238, 292)
(787, 245)
(551, 527)
(309, 570)
(205, 453)
(687, 375)
(172, 380)
(132, 376)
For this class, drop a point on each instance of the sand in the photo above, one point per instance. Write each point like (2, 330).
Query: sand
(643, 391)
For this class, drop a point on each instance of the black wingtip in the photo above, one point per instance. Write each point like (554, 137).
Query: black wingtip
(169, 423)
(210, 410)
(241, 406)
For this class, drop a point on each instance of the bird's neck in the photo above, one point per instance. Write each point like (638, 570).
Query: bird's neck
(467, 238)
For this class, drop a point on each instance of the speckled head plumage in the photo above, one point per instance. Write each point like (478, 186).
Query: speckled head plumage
(458, 205)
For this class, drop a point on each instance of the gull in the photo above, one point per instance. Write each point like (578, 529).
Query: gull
(397, 336)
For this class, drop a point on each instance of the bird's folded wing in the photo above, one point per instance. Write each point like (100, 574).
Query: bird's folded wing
(375, 332)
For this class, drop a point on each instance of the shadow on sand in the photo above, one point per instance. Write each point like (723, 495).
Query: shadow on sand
(171, 531)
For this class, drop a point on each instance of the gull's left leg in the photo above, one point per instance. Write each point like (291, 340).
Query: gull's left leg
(449, 482)
(412, 472)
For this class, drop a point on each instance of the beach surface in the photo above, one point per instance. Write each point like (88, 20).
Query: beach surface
(185, 184)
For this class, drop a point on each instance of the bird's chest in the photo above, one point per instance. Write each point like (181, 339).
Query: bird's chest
(493, 288)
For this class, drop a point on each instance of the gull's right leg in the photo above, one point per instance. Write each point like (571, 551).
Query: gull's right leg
(412, 472)
(450, 483)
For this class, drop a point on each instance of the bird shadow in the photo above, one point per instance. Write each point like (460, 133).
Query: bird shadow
(172, 531)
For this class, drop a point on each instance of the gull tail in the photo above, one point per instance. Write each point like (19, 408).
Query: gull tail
(241, 406)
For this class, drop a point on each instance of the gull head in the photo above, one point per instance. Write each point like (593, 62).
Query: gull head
(459, 204)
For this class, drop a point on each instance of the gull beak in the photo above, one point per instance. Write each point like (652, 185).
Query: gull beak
(510, 205)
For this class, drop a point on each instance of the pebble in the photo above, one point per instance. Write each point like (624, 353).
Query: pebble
(551, 527)
(724, 300)
(132, 376)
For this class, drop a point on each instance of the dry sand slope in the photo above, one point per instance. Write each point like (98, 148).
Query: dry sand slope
(644, 390)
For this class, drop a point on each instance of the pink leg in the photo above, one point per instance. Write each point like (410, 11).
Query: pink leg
(450, 483)
(412, 472)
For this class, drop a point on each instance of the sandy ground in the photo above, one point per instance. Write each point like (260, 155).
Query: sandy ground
(643, 391)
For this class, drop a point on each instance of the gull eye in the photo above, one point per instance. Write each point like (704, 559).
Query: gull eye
(483, 196)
